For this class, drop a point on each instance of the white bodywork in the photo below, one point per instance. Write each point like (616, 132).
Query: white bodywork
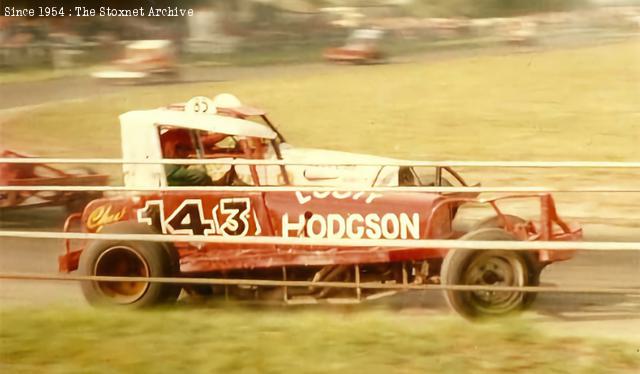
(119, 74)
(311, 174)
(150, 44)
(140, 138)
(363, 39)
(306, 169)
(133, 66)
(141, 141)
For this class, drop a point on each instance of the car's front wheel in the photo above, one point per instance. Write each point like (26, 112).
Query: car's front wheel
(488, 268)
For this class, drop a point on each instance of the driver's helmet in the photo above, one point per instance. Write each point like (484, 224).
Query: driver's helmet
(226, 100)
(176, 143)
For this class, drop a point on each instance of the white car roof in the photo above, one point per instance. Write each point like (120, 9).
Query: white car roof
(149, 44)
(367, 34)
(197, 121)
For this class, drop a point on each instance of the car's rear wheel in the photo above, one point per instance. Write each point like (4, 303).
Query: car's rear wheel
(488, 268)
(119, 258)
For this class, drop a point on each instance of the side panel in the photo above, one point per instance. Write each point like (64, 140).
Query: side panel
(334, 215)
(101, 212)
(353, 215)
(97, 214)
(227, 214)
(359, 215)
(140, 141)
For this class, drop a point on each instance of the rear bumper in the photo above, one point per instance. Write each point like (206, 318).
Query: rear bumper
(573, 235)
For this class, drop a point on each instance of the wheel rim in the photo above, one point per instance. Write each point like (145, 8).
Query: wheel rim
(122, 261)
(491, 268)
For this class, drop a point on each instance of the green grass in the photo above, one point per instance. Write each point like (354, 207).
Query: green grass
(55, 340)
(511, 107)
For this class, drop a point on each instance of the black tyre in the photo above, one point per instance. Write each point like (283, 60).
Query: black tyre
(488, 267)
(129, 258)
(534, 267)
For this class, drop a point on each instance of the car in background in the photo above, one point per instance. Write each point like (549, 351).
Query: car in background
(361, 47)
(39, 174)
(144, 61)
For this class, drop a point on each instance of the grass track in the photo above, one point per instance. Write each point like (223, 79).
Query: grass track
(512, 107)
(276, 341)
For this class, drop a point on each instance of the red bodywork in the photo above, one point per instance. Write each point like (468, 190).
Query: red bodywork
(148, 62)
(45, 175)
(362, 46)
(344, 54)
(316, 215)
(365, 215)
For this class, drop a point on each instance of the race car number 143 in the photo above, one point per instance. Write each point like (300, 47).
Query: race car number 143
(189, 217)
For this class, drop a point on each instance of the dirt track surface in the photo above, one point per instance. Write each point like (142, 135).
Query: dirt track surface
(614, 316)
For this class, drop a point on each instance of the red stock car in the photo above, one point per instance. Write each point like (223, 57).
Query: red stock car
(361, 47)
(294, 214)
(41, 174)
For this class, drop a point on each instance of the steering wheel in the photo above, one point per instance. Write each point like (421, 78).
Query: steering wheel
(230, 178)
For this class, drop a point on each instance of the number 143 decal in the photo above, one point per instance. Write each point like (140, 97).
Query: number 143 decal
(189, 217)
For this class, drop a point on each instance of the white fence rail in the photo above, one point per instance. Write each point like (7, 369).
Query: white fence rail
(524, 190)
(190, 161)
(348, 285)
(416, 244)
(399, 243)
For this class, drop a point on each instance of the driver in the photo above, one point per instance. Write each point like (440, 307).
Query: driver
(177, 144)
